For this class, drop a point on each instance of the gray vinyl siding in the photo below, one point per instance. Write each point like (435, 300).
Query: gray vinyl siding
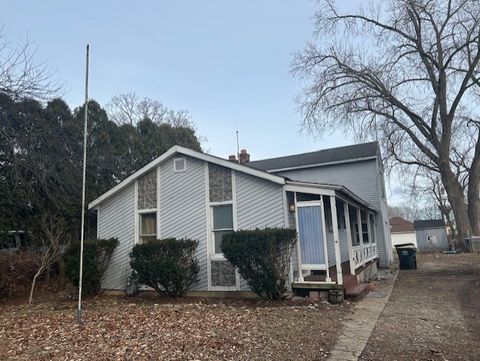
(116, 218)
(362, 178)
(259, 205)
(183, 209)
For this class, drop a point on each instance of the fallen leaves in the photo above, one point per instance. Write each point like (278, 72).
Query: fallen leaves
(114, 329)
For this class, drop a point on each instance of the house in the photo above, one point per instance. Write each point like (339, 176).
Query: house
(431, 235)
(402, 231)
(185, 193)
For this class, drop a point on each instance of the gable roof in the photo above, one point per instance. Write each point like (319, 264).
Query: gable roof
(177, 149)
(350, 153)
(429, 223)
(401, 225)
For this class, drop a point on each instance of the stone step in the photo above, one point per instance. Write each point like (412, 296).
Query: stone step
(357, 292)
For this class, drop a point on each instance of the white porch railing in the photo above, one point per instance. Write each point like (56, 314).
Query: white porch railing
(363, 254)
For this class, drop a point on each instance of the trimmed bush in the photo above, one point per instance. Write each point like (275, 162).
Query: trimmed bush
(262, 257)
(16, 272)
(167, 265)
(96, 257)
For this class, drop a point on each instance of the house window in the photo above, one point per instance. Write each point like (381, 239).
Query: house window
(179, 165)
(148, 227)
(365, 234)
(372, 227)
(354, 226)
(222, 224)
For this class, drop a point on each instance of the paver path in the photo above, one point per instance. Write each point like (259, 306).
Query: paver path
(357, 329)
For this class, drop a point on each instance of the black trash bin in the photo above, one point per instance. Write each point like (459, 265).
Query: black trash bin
(407, 255)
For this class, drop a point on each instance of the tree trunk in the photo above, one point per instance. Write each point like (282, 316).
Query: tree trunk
(474, 192)
(39, 272)
(456, 198)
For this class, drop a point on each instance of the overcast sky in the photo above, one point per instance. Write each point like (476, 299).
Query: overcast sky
(225, 62)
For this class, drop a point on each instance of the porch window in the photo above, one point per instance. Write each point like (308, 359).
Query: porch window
(222, 224)
(352, 211)
(148, 227)
(372, 227)
(366, 235)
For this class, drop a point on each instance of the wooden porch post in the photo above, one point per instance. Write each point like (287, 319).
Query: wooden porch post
(336, 240)
(299, 250)
(348, 229)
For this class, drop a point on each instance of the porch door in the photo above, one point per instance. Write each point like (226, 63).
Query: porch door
(310, 231)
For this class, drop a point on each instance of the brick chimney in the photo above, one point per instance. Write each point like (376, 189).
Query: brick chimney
(232, 158)
(244, 156)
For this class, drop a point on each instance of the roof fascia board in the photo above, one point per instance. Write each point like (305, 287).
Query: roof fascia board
(194, 154)
(309, 189)
(322, 164)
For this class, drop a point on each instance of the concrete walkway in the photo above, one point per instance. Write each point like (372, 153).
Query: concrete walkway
(357, 330)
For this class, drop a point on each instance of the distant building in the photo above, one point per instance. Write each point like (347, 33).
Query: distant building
(402, 231)
(431, 235)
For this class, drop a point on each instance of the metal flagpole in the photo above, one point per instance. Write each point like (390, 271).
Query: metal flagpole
(82, 233)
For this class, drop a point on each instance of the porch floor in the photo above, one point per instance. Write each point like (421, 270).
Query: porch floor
(351, 284)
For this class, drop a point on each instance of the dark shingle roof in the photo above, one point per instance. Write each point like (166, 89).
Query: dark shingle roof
(332, 155)
(430, 223)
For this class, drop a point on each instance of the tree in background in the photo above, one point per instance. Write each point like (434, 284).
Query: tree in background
(128, 108)
(408, 72)
(41, 159)
(20, 75)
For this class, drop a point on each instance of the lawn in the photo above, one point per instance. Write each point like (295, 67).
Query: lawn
(158, 329)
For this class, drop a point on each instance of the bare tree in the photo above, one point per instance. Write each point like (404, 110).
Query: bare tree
(408, 72)
(53, 242)
(128, 108)
(20, 75)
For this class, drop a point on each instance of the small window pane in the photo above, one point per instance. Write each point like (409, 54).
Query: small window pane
(223, 217)
(148, 224)
(218, 240)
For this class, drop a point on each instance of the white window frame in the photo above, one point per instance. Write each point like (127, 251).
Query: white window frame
(175, 160)
(219, 256)
(140, 213)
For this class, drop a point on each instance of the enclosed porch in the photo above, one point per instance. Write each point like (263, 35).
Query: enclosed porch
(337, 237)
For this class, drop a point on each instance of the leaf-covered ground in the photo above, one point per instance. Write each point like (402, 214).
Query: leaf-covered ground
(124, 328)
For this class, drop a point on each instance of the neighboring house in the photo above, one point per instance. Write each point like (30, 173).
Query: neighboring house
(185, 193)
(402, 231)
(431, 235)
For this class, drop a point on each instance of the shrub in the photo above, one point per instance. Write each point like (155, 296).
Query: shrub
(16, 272)
(262, 257)
(167, 265)
(96, 257)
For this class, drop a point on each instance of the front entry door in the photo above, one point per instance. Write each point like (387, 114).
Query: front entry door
(311, 235)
